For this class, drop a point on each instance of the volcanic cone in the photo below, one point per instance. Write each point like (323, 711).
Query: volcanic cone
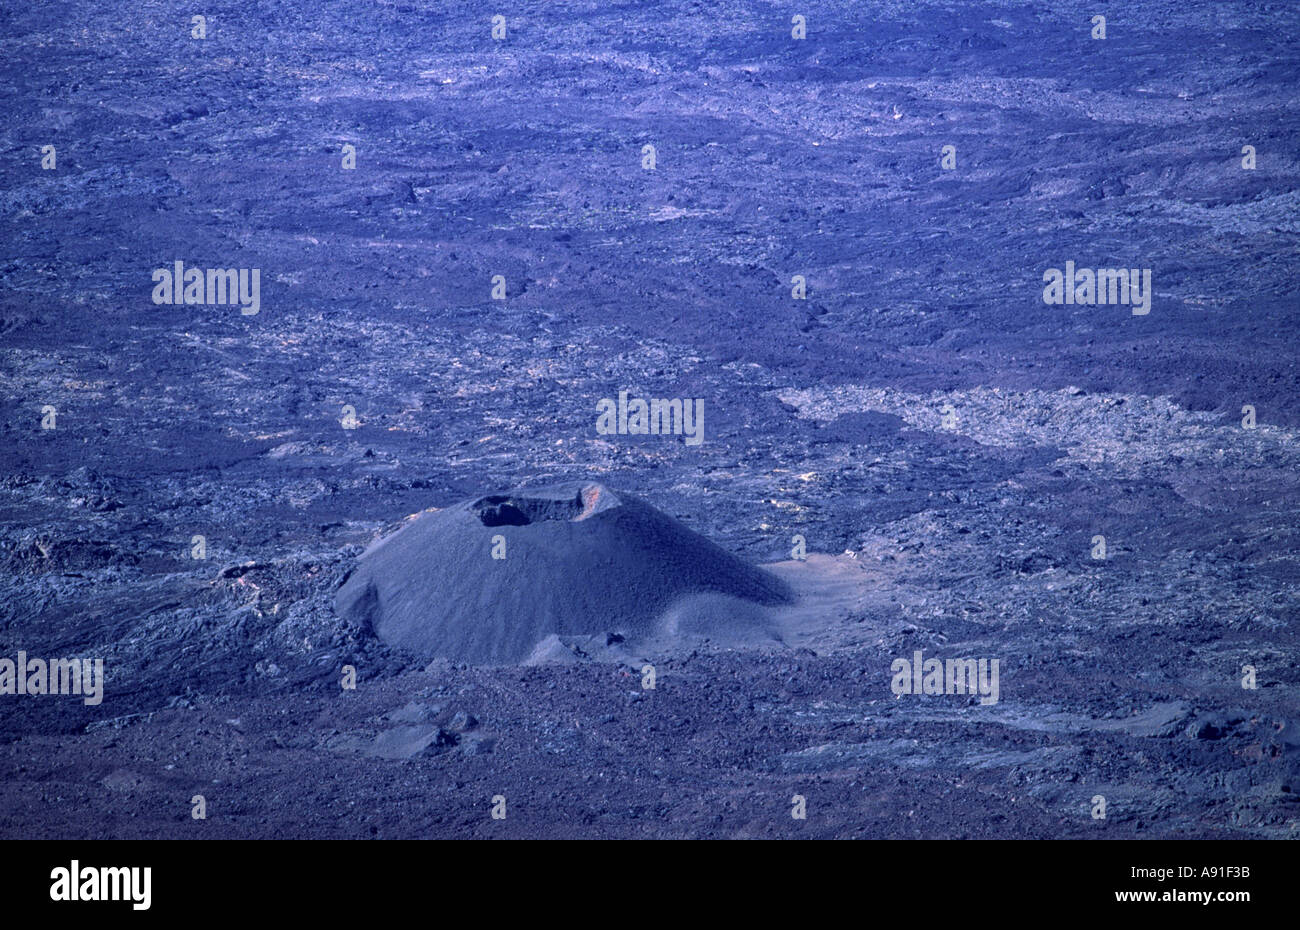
(485, 581)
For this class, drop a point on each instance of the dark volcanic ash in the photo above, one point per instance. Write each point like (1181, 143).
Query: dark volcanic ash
(488, 580)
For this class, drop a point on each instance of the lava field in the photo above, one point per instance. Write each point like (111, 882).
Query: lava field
(668, 418)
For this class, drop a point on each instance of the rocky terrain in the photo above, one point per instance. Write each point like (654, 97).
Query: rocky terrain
(947, 445)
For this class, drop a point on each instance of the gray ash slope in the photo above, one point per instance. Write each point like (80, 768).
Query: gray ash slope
(575, 559)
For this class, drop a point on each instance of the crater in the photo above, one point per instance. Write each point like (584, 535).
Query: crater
(525, 509)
